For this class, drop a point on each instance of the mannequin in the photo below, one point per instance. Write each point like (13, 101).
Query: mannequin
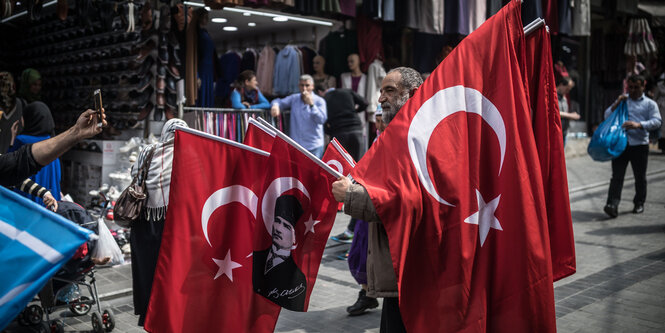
(320, 77)
(356, 79)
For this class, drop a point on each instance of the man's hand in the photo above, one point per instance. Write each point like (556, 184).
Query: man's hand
(246, 104)
(618, 101)
(14, 131)
(101, 261)
(631, 125)
(339, 188)
(86, 126)
(50, 201)
(274, 110)
(307, 98)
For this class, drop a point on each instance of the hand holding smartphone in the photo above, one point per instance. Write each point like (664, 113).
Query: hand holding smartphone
(97, 98)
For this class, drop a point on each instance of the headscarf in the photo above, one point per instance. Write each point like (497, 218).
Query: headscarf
(38, 120)
(7, 92)
(158, 181)
(28, 77)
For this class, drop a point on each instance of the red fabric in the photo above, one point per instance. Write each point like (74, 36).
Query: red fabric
(370, 41)
(551, 14)
(547, 131)
(189, 294)
(258, 138)
(338, 158)
(288, 164)
(450, 277)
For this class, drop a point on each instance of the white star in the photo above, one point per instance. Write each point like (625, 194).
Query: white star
(309, 224)
(226, 266)
(484, 217)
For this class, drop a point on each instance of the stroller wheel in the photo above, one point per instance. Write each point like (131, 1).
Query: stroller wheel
(96, 323)
(108, 321)
(57, 326)
(80, 308)
(33, 314)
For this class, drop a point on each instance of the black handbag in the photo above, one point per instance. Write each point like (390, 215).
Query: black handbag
(129, 206)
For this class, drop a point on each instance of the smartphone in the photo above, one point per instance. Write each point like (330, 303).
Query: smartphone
(97, 97)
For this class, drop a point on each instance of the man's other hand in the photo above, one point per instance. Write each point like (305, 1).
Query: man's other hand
(631, 125)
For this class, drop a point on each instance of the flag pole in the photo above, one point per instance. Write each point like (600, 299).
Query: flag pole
(223, 140)
(533, 26)
(295, 145)
(261, 126)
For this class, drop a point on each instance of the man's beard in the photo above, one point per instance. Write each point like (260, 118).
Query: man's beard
(390, 110)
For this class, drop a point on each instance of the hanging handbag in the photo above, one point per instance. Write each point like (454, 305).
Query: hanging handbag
(129, 206)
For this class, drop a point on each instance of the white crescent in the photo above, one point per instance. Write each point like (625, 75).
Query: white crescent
(444, 103)
(337, 165)
(276, 188)
(227, 195)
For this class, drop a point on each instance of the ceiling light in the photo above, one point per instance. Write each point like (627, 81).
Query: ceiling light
(247, 14)
(207, 8)
(194, 4)
(288, 17)
(230, 28)
(25, 12)
(219, 20)
(251, 24)
(280, 18)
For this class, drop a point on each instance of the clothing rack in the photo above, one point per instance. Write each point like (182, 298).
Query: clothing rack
(228, 123)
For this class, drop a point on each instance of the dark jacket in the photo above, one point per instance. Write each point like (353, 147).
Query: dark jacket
(381, 278)
(17, 166)
(342, 111)
(284, 285)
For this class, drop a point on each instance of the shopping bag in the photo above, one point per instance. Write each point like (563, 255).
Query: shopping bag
(106, 245)
(609, 140)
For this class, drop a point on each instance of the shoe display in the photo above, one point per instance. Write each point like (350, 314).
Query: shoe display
(345, 237)
(638, 209)
(362, 304)
(612, 210)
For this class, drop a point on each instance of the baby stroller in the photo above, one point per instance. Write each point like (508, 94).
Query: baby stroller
(75, 278)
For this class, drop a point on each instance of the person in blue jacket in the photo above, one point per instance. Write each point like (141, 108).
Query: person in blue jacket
(246, 94)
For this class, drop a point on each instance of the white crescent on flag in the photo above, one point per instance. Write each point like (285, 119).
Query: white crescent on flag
(441, 105)
(227, 195)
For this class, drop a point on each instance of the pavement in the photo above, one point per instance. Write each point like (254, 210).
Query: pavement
(619, 285)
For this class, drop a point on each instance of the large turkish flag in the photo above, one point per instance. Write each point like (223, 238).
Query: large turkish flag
(298, 211)
(203, 279)
(456, 181)
(547, 130)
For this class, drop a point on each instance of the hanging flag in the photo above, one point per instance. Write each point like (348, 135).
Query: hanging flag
(456, 181)
(34, 244)
(547, 130)
(203, 278)
(258, 135)
(298, 211)
(337, 157)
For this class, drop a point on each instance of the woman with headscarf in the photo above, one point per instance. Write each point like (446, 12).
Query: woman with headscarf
(39, 126)
(146, 233)
(246, 94)
(31, 85)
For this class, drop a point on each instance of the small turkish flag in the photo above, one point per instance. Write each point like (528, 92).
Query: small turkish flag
(203, 279)
(258, 135)
(337, 157)
(298, 211)
(456, 181)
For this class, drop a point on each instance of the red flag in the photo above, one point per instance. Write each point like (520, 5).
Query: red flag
(337, 157)
(298, 211)
(258, 136)
(548, 134)
(456, 181)
(203, 279)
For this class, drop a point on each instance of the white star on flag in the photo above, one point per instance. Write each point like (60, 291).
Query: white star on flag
(484, 217)
(226, 266)
(309, 224)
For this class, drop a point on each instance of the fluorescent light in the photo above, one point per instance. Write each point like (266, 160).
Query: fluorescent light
(230, 28)
(219, 20)
(207, 8)
(247, 14)
(194, 4)
(25, 12)
(288, 17)
(280, 18)
(251, 24)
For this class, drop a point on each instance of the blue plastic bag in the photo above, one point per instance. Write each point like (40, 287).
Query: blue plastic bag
(609, 140)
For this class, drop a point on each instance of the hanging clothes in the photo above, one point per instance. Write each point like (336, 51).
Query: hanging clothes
(566, 16)
(348, 7)
(476, 13)
(307, 59)
(550, 14)
(581, 18)
(375, 74)
(248, 61)
(206, 53)
(432, 16)
(407, 13)
(191, 60)
(336, 47)
(286, 74)
(370, 41)
(640, 39)
(265, 68)
(531, 10)
(230, 64)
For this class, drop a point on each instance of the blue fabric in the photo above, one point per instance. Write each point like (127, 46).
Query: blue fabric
(230, 64)
(206, 50)
(49, 176)
(236, 101)
(609, 140)
(644, 111)
(306, 122)
(34, 244)
(286, 75)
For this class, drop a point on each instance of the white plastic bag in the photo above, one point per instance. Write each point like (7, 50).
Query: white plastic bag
(106, 245)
